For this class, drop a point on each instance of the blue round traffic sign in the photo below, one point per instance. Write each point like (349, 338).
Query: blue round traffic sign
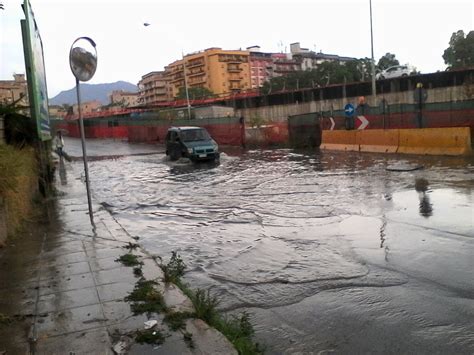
(349, 110)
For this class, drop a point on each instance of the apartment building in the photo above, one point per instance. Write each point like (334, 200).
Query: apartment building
(123, 98)
(220, 71)
(57, 111)
(261, 66)
(87, 107)
(228, 71)
(14, 90)
(311, 60)
(154, 88)
(284, 64)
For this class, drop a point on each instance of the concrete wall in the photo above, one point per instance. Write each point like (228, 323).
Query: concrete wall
(213, 112)
(279, 113)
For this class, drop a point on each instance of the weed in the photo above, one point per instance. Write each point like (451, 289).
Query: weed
(137, 271)
(205, 305)
(239, 331)
(177, 320)
(188, 339)
(174, 269)
(131, 246)
(146, 299)
(149, 336)
(129, 260)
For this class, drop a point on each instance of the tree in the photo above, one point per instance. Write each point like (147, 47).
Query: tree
(325, 74)
(388, 60)
(195, 93)
(460, 53)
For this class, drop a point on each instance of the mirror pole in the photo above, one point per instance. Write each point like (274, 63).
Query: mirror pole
(84, 153)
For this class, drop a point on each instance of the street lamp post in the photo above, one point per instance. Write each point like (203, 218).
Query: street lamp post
(374, 93)
(83, 62)
(186, 86)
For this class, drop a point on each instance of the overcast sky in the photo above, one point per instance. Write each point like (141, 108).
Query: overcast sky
(417, 31)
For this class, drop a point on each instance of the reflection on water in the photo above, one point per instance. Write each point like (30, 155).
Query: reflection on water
(426, 208)
(62, 171)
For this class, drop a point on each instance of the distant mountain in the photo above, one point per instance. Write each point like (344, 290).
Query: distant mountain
(90, 92)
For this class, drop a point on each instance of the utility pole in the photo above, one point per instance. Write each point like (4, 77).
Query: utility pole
(374, 93)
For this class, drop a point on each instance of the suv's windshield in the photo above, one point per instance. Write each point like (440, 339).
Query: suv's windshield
(194, 135)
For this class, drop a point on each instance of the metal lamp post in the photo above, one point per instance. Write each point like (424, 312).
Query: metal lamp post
(374, 93)
(186, 86)
(83, 63)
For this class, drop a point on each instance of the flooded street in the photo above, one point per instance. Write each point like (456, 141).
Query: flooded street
(328, 251)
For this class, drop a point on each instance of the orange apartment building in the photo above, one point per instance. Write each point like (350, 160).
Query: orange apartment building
(220, 71)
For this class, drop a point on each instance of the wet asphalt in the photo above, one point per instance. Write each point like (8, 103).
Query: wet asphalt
(329, 252)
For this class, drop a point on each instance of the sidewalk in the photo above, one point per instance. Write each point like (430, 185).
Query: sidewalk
(62, 290)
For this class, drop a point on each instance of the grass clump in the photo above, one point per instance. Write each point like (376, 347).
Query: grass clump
(129, 260)
(205, 305)
(177, 320)
(237, 329)
(18, 185)
(149, 336)
(146, 299)
(10, 166)
(174, 269)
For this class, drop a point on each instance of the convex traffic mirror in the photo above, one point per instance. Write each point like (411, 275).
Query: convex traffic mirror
(83, 58)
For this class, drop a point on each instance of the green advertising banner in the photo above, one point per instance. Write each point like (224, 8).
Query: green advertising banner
(35, 72)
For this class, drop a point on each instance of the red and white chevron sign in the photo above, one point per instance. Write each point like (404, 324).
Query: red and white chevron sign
(364, 122)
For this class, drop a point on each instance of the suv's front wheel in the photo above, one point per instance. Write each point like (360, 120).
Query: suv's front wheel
(175, 154)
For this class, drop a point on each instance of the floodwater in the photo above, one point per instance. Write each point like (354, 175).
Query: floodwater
(329, 252)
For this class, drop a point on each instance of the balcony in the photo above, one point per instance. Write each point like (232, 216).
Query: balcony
(234, 69)
(237, 59)
(160, 92)
(197, 80)
(197, 73)
(177, 80)
(195, 64)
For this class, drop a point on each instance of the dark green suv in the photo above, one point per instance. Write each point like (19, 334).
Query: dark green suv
(191, 142)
